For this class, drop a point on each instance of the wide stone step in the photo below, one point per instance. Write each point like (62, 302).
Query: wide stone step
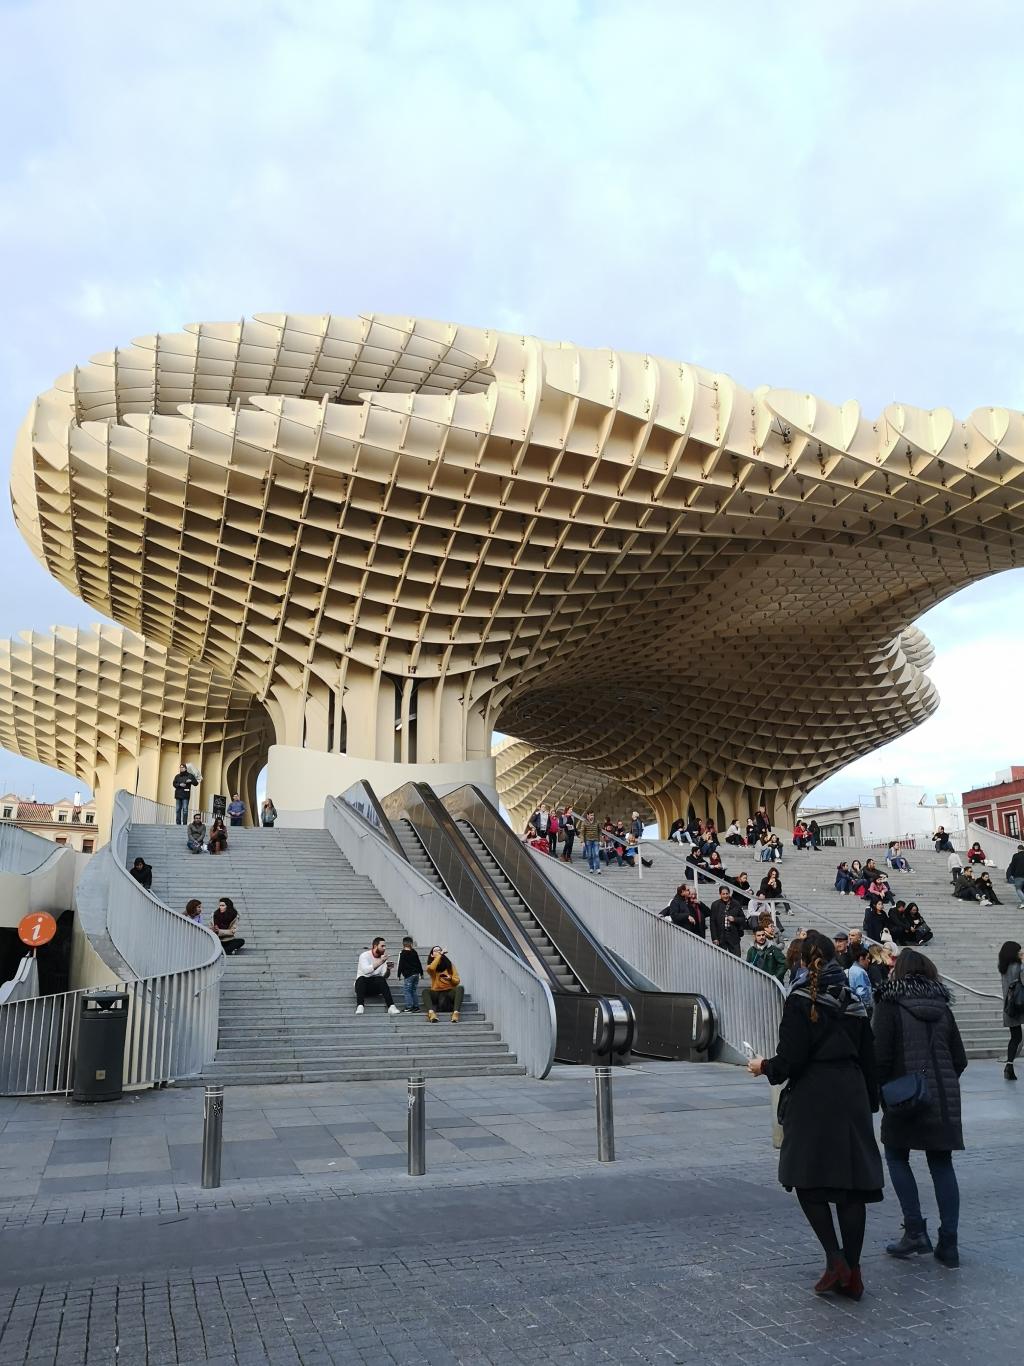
(341, 1056)
(262, 1075)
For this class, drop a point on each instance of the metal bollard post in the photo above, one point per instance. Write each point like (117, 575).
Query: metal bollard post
(213, 1135)
(605, 1121)
(417, 1142)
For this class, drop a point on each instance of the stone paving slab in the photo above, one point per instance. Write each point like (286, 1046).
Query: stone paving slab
(684, 1250)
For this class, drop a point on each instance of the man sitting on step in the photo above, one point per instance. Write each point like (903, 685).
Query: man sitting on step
(445, 991)
(371, 976)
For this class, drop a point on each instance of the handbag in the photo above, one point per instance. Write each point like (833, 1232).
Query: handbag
(907, 1095)
(1014, 1003)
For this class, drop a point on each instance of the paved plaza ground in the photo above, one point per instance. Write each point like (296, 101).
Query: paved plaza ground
(517, 1246)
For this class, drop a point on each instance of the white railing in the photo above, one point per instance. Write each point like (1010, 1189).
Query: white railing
(21, 851)
(517, 1002)
(747, 1002)
(145, 811)
(174, 990)
(24, 984)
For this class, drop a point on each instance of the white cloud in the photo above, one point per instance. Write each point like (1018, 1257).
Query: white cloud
(777, 191)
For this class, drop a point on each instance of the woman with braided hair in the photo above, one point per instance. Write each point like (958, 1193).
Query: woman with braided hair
(829, 1155)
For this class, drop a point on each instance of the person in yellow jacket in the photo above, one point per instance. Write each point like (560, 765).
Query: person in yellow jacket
(445, 991)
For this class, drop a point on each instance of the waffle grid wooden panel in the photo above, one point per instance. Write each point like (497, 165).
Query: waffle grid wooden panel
(119, 711)
(400, 535)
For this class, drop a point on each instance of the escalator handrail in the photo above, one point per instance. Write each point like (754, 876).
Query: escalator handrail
(371, 811)
(470, 804)
(490, 909)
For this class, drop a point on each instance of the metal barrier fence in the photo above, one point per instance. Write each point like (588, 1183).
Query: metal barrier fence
(174, 998)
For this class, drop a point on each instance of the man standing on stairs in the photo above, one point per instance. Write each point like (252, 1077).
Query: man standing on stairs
(371, 976)
(727, 921)
(1015, 873)
(183, 785)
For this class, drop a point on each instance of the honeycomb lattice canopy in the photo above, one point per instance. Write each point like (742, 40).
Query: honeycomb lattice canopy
(119, 711)
(402, 535)
(527, 777)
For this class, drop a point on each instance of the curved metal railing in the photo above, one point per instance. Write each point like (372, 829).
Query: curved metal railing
(747, 1002)
(173, 989)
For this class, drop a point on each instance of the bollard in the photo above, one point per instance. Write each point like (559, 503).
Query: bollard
(417, 1142)
(213, 1135)
(605, 1122)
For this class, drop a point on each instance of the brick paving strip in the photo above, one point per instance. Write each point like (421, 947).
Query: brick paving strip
(685, 1250)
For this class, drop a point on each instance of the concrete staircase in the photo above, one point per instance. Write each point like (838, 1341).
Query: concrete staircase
(967, 936)
(287, 1009)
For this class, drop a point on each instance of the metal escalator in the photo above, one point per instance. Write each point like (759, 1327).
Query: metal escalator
(588, 1025)
(557, 966)
(416, 855)
(672, 1025)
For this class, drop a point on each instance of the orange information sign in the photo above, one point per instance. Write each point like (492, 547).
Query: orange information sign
(37, 929)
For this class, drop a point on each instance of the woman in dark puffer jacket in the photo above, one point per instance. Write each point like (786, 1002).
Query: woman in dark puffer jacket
(915, 1032)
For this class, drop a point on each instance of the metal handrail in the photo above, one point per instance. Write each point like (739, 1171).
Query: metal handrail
(23, 851)
(174, 1001)
(518, 1002)
(748, 1002)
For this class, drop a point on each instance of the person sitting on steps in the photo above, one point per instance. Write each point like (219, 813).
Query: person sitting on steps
(194, 911)
(445, 991)
(225, 925)
(195, 834)
(986, 892)
(975, 854)
(142, 872)
(218, 841)
(372, 972)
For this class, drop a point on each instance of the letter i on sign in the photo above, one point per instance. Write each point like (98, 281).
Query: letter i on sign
(37, 929)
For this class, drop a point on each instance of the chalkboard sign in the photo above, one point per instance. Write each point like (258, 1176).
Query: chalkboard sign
(220, 806)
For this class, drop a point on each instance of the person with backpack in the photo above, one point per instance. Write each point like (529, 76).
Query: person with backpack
(920, 1058)
(1011, 974)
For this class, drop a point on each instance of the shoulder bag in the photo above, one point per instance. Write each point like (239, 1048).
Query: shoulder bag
(908, 1095)
(1014, 1002)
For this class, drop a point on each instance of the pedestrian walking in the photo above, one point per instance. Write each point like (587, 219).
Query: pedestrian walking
(1011, 974)
(826, 1058)
(920, 1058)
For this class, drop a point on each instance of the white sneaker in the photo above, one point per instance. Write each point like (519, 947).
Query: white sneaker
(359, 1010)
(393, 1010)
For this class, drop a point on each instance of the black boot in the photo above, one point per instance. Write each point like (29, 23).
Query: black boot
(947, 1251)
(915, 1239)
(1009, 1073)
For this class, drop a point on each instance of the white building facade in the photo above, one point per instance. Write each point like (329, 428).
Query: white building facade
(899, 811)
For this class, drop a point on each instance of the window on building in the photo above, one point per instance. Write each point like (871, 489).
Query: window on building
(87, 846)
(62, 839)
(76, 818)
(850, 824)
(1012, 824)
(90, 818)
(8, 812)
(62, 815)
(982, 820)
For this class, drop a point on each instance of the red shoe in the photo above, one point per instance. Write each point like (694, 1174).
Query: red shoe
(855, 1289)
(837, 1276)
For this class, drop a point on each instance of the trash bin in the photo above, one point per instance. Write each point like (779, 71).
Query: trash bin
(99, 1057)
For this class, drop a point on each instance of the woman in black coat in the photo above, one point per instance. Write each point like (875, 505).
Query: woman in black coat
(915, 1032)
(875, 920)
(771, 883)
(829, 1155)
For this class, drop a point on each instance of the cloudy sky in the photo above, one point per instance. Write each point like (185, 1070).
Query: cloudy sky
(827, 197)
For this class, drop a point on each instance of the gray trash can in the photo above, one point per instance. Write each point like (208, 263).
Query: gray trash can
(99, 1057)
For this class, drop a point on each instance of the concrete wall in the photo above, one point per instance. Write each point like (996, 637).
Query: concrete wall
(300, 780)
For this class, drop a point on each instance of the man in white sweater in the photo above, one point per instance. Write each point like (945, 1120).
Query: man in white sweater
(372, 974)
